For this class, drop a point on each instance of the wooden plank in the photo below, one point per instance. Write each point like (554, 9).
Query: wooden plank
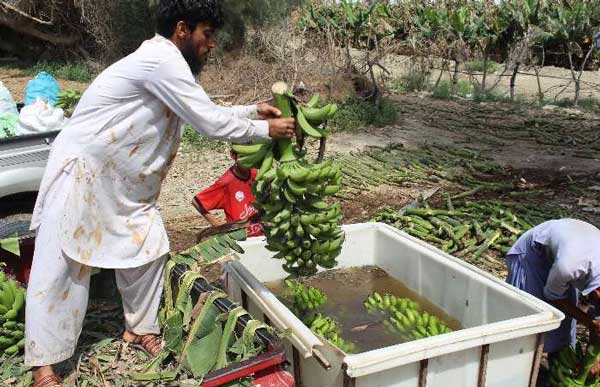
(537, 358)
(483, 363)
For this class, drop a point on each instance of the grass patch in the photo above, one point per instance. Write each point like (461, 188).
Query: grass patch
(445, 89)
(78, 72)
(356, 113)
(588, 103)
(477, 66)
(490, 96)
(413, 81)
(191, 138)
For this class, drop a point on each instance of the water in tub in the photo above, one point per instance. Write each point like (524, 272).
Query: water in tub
(347, 290)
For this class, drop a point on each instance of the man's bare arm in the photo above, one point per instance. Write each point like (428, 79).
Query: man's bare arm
(210, 218)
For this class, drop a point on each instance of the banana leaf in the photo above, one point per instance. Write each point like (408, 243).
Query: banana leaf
(245, 347)
(228, 336)
(173, 333)
(201, 354)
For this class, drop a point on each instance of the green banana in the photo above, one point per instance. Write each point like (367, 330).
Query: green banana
(330, 190)
(299, 173)
(317, 114)
(266, 165)
(306, 126)
(332, 110)
(17, 334)
(313, 175)
(289, 196)
(11, 314)
(306, 220)
(253, 159)
(296, 189)
(244, 150)
(313, 101)
(317, 203)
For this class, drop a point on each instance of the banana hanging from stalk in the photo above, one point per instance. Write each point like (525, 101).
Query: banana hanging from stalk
(301, 228)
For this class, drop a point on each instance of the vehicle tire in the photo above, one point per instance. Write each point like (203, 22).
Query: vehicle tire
(17, 223)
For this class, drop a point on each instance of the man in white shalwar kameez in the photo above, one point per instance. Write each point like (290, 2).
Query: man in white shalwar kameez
(97, 202)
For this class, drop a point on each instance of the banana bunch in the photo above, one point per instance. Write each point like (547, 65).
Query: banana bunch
(299, 225)
(305, 299)
(571, 367)
(306, 302)
(330, 330)
(413, 325)
(404, 317)
(12, 302)
(388, 303)
(301, 228)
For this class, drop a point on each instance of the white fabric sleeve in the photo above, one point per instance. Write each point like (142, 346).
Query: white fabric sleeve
(173, 83)
(241, 111)
(559, 280)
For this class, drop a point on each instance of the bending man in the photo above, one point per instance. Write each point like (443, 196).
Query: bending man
(556, 261)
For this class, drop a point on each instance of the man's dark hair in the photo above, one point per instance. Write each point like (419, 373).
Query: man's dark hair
(192, 12)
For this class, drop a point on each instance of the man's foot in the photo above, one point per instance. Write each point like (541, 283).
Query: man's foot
(45, 377)
(151, 344)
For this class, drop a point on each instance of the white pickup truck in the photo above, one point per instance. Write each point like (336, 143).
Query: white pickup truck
(22, 163)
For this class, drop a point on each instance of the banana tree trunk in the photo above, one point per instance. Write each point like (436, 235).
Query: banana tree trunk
(444, 68)
(513, 80)
(484, 79)
(575, 78)
(581, 70)
(455, 75)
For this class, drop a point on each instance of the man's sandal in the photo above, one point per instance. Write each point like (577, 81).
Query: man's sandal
(150, 344)
(48, 381)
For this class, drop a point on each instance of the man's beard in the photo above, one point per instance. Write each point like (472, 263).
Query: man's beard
(190, 56)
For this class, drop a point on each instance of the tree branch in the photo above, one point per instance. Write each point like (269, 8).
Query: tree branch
(29, 29)
(5, 5)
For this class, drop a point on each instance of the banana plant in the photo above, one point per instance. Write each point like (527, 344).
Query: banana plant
(428, 33)
(570, 23)
(524, 36)
(460, 20)
(487, 26)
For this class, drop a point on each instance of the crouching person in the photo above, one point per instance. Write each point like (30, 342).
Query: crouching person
(558, 261)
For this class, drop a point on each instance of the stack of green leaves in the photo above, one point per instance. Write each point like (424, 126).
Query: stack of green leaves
(216, 247)
(198, 336)
(12, 315)
(396, 165)
(468, 228)
(403, 317)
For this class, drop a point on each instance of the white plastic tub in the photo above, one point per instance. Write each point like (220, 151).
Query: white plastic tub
(500, 346)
